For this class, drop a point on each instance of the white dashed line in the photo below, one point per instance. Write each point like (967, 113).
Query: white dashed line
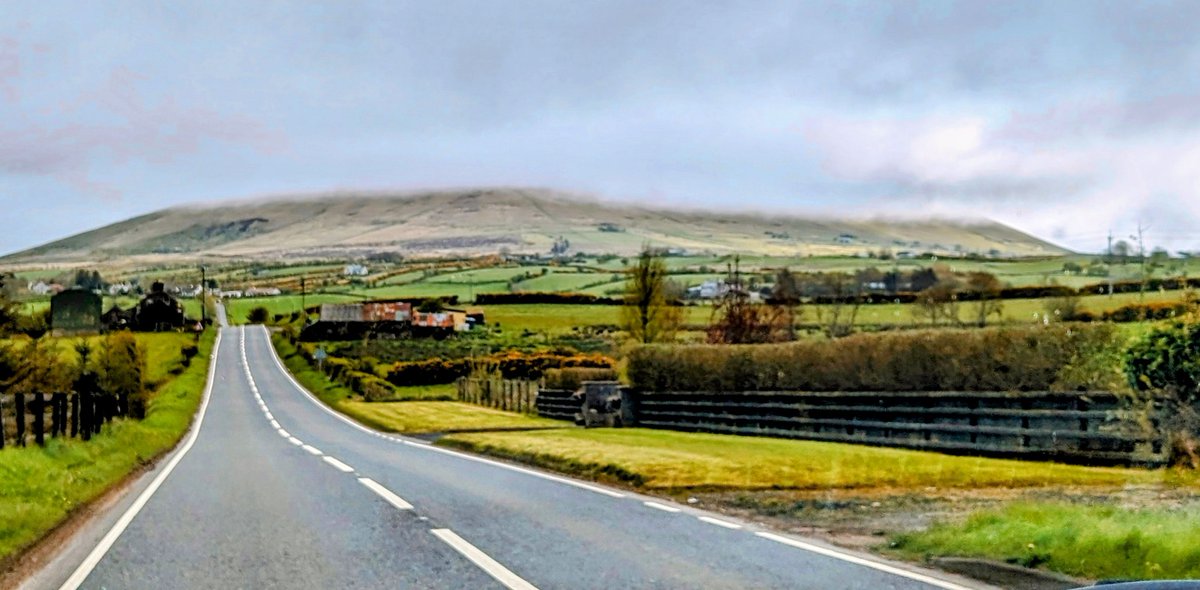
(311, 450)
(883, 567)
(338, 464)
(663, 507)
(719, 522)
(274, 424)
(481, 559)
(284, 433)
(294, 441)
(385, 493)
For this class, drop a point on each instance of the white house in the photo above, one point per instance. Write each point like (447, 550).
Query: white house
(355, 270)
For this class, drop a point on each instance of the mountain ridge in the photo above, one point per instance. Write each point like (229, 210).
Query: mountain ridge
(516, 220)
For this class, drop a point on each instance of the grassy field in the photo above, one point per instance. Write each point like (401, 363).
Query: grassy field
(1092, 541)
(237, 309)
(668, 460)
(39, 487)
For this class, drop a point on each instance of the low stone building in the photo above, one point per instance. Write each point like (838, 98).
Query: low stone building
(75, 311)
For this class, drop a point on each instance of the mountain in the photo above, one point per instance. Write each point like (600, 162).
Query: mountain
(493, 220)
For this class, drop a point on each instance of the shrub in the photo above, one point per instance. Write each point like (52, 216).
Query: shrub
(999, 359)
(258, 315)
(1164, 367)
(572, 378)
(1138, 312)
(511, 365)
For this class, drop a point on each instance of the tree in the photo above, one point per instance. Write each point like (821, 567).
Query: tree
(940, 302)
(650, 314)
(258, 315)
(1121, 250)
(9, 310)
(986, 288)
(431, 305)
(845, 297)
(121, 365)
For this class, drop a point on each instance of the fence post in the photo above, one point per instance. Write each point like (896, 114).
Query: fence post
(20, 406)
(39, 418)
(62, 414)
(74, 415)
(1, 422)
(85, 414)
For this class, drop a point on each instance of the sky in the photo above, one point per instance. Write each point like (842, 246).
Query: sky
(1069, 120)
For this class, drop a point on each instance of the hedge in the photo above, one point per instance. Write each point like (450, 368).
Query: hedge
(512, 365)
(996, 359)
(572, 378)
(544, 297)
(1137, 312)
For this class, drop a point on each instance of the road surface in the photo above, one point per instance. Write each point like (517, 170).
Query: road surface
(274, 490)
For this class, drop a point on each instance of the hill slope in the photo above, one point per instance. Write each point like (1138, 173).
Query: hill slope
(487, 221)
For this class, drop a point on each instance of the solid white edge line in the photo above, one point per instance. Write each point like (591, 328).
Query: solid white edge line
(385, 493)
(663, 507)
(721, 523)
(338, 464)
(883, 567)
(425, 445)
(93, 559)
(491, 566)
(312, 450)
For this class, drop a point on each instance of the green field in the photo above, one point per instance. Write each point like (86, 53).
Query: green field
(677, 460)
(40, 487)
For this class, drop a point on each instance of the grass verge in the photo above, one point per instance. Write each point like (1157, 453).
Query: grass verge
(668, 460)
(40, 487)
(1083, 540)
(406, 417)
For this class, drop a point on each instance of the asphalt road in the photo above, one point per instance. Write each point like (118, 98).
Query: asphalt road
(277, 491)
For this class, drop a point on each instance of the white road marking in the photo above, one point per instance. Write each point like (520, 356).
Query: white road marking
(663, 507)
(385, 493)
(284, 433)
(338, 464)
(270, 416)
(89, 563)
(719, 522)
(491, 566)
(883, 567)
(424, 445)
(311, 449)
(274, 425)
(294, 441)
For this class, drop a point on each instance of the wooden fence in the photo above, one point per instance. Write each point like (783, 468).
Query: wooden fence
(503, 394)
(32, 417)
(1073, 427)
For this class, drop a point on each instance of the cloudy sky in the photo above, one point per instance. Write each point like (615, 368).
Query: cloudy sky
(1066, 119)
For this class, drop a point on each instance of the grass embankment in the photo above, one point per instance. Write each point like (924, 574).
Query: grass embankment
(405, 417)
(40, 487)
(1083, 540)
(667, 460)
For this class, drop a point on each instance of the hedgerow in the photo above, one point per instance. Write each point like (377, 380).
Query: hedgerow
(997, 359)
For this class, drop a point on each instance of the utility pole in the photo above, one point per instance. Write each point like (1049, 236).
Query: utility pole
(203, 295)
(1109, 261)
(1142, 258)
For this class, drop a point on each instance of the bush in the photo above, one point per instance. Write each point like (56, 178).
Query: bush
(258, 315)
(998, 359)
(540, 297)
(1164, 367)
(1138, 312)
(512, 365)
(572, 378)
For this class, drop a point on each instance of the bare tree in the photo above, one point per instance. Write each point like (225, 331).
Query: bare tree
(845, 297)
(940, 302)
(986, 288)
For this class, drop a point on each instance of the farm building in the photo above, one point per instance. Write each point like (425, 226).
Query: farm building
(386, 319)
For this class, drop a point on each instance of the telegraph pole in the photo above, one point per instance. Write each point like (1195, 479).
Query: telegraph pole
(203, 295)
